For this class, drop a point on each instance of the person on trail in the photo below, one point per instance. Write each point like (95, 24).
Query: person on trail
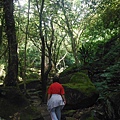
(56, 99)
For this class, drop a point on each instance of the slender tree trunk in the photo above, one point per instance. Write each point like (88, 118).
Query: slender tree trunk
(1, 29)
(43, 78)
(25, 55)
(12, 73)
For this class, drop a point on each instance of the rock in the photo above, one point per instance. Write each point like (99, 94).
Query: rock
(112, 106)
(77, 99)
(80, 91)
(14, 96)
(30, 84)
(14, 105)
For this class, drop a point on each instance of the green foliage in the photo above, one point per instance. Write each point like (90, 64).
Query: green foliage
(91, 27)
(113, 54)
(69, 60)
(112, 73)
(102, 88)
(86, 53)
(111, 15)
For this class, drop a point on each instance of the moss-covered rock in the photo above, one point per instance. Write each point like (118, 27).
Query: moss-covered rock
(81, 82)
(73, 69)
(30, 84)
(80, 91)
(13, 104)
(66, 75)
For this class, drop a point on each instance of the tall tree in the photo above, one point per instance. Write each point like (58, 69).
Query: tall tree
(26, 37)
(43, 79)
(1, 26)
(12, 73)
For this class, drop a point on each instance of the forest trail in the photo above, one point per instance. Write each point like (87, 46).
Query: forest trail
(36, 102)
(45, 114)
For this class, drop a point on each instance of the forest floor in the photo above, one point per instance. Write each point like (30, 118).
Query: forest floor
(66, 115)
(34, 97)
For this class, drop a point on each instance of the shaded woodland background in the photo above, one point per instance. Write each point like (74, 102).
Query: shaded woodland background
(42, 38)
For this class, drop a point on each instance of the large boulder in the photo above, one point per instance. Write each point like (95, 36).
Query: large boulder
(80, 91)
(15, 106)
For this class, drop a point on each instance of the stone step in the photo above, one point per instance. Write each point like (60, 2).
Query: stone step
(33, 94)
(32, 90)
(36, 103)
(34, 97)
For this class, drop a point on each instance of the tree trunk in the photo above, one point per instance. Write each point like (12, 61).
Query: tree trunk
(12, 73)
(25, 53)
(1, 29)
(43, 78)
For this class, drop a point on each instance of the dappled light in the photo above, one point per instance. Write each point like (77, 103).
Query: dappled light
(75, 40)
